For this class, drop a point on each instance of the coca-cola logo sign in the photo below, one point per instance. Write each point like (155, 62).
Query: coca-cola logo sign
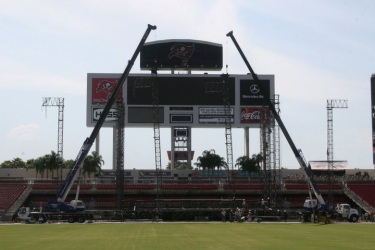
(250, 115)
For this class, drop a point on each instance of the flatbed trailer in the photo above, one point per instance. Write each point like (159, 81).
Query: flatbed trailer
(43, 217)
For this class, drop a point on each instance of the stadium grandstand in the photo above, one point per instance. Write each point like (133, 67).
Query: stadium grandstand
(186, 194)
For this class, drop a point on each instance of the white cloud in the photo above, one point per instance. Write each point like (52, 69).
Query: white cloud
(24, 133)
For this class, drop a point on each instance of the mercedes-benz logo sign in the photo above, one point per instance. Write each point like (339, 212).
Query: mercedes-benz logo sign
(254, 89)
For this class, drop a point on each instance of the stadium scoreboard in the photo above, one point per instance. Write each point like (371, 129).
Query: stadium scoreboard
(194, 100)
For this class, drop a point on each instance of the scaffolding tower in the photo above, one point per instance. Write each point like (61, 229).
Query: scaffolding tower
(120, 136)
(270, 150)
(331, 104)
(228, 127)
(59, 103)
(156, 120)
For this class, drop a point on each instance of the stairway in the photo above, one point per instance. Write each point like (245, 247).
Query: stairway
(358, 200)
(18, 203)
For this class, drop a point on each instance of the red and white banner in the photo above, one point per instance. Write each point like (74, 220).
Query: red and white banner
(250, 115)
(102, 88)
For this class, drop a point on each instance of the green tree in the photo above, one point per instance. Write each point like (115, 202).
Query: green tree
(68, 164)
(93, 164)
(15, 163)
(18, 163)
(210, 160)
(252, 164)
(6, 164)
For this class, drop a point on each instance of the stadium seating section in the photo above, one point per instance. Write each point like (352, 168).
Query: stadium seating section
(101, 194)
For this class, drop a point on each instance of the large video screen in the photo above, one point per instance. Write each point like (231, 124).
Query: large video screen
(179, 90)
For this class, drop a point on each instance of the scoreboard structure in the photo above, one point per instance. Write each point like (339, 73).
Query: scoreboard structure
(184, 100)
(180, 101)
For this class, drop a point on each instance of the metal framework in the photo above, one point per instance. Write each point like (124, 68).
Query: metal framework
(276, 139)
(228, 122)
(59, 103)
(120, 152)
(273, 154)
(156, 120)
(228, 128)
(331, 104)
(265, 147)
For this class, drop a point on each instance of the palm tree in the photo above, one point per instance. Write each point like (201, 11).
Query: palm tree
(30, 164)
(93, 164)
(249, 164)
(209, 160)
(55, 162)
(40, 165)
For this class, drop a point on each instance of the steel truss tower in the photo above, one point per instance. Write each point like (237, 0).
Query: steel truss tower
(120, 136)
(270, 150)
(331, 104)
(156, 120)
(228, 124)
(57, 102)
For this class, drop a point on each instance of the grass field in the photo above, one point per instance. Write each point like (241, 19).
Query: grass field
(188, 236)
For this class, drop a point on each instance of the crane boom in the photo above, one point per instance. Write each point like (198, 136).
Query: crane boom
(297, 152)
(67, 184)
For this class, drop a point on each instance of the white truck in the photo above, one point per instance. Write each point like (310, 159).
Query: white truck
(345, 212)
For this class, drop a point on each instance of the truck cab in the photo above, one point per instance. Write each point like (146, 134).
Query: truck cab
(345, 211)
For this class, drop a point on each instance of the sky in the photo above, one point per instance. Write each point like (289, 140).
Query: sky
(317, 50)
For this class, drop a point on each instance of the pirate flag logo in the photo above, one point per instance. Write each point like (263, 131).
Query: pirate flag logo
(106, 88)
(182, 52)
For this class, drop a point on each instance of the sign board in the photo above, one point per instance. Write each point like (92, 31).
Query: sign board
(183, 100)
(323, 165)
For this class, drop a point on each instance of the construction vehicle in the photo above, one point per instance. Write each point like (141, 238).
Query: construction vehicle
(75, 211)
(322, 209)
(43, 215)
(315, 212)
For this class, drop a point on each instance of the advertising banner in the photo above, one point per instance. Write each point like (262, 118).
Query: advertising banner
(111, 116)
(250, 115)
(214, 115)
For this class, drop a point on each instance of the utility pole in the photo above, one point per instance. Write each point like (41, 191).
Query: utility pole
(57, 102)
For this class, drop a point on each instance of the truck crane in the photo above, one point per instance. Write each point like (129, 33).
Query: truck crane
(59, 207)
(322, 206)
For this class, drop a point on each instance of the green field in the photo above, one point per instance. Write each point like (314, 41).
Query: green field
(188, 236)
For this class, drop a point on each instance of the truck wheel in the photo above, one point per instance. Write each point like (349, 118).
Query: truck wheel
(71, 220)
(353, 218)
(81, 219)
